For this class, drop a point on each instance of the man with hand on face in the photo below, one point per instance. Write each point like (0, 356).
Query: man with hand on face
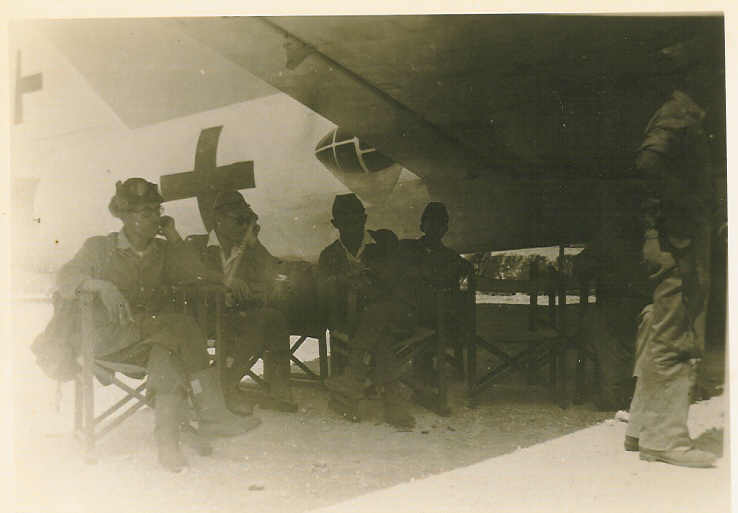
(383, 311)
(254, 320)
(131, 272)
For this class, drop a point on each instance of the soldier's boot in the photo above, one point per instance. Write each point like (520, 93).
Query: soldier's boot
(277, 374)
(236, 399)
(214, 418)
(683, 457)
(396, 408)
(347, 391)
(167, 414)
(194, 440)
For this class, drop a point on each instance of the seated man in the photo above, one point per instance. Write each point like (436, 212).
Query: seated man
(255, 318)
(383, 309)
(436, 267)
(130, 271)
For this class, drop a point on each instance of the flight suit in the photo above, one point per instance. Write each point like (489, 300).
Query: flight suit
(674, 159)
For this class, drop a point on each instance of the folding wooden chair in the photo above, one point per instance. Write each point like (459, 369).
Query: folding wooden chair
(545, 342)
(306, 325)
(406, 349)
(89, 426)
(307, 375)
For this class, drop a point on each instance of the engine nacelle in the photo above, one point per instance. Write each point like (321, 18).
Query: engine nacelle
(360, 167)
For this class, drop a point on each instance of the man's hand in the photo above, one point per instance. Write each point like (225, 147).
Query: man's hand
(655, 257)
(115, 304)
(251, 238)
(168, 230)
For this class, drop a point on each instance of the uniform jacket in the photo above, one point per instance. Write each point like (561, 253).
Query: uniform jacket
(145, 281)
(679, 171)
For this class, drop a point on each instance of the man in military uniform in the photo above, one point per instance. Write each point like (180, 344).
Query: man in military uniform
(256, 320)
(131, 272)
(383, 310)
(674, 160)
(436, 268)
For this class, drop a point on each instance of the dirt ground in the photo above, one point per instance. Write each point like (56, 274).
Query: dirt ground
(292, 462)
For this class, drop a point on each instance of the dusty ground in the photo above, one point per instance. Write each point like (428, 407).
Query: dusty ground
(293, 462)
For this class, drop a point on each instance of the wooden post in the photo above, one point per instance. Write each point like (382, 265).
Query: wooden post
(88, 391)
(562, 329)
(532, 314)
(580, 371)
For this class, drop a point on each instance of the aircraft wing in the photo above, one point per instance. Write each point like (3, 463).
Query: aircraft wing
(147, 70)
(511, 95)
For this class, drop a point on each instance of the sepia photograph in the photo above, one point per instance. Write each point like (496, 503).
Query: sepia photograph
(465, 262)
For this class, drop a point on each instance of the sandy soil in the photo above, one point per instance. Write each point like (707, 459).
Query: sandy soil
(293, 462)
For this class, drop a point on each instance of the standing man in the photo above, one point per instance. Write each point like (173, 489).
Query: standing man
(674, 160)
(256, 318)
(131, 272)
(383, 311)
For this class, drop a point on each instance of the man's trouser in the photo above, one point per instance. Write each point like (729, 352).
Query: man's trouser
(260, 331)
(170, 346)
(671, 337)
(376, 333)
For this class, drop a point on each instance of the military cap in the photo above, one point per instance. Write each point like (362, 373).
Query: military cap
(435, 210)
(133, 193)
(347, 204)
(231, 200)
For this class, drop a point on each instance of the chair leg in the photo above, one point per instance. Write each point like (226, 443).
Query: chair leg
(531, 366)
(471, 369)
(553, 371)
(88, 391)
(78, 405)
(563, 398)
(323, 356)
(459, 360)
(580, 375)
(88, 401)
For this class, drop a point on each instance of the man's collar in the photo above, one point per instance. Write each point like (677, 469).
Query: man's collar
(364, 241)
(213, 239)
(124, 243)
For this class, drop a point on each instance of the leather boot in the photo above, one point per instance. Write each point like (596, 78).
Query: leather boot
(277, 374)
(167, 414)
(214, 418)
(684, 457)
(395, 407)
